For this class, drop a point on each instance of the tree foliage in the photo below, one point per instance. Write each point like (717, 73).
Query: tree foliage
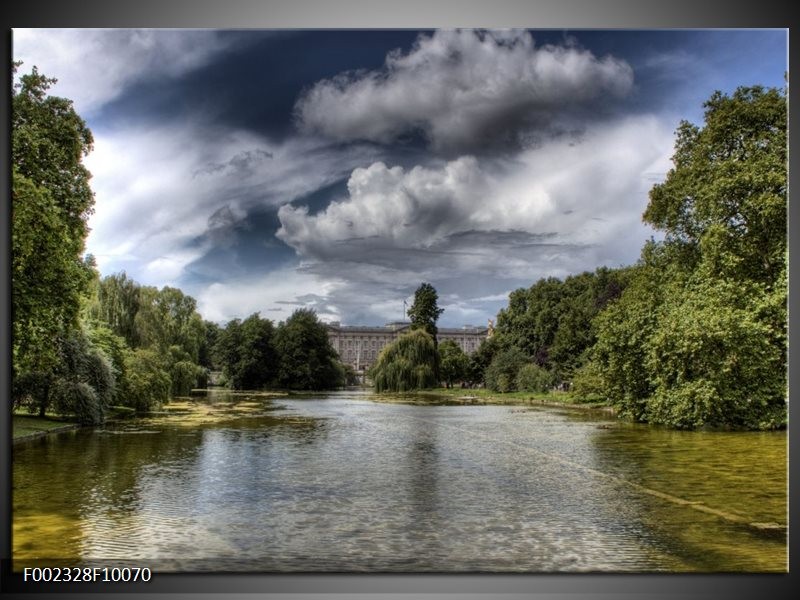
(246, 352)
(453, 363)
(699, 337)
(425, 311)
(552, 320)
(533, 378)
(308, 361)
(51, 200)
(147, 384)
(406, 364)
(501, 375)
(116, 304)
(480, 360)
(80, 343)
(726, 194)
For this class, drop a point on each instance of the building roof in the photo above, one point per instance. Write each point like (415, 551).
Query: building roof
(400, 325)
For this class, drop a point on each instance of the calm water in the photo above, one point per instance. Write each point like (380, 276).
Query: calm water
(344, 483)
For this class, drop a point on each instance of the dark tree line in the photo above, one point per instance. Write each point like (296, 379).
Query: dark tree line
(296, 354)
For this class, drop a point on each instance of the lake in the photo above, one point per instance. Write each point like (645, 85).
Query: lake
(348, 481)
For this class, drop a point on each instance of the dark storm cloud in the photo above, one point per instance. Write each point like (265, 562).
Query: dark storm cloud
(464, 89)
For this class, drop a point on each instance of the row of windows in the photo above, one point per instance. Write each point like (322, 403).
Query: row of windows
(380, 343)
(368, 355)
(370, 344)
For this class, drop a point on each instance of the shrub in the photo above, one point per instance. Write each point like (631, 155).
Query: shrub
(533, 378)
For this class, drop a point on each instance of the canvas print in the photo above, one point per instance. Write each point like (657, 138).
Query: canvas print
(446, 301)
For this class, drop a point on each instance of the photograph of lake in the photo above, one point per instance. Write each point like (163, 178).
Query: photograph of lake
(399, 301)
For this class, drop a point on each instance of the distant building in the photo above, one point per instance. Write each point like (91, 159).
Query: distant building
(359, 346)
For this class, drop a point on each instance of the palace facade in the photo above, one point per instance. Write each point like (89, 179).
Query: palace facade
(360, 346)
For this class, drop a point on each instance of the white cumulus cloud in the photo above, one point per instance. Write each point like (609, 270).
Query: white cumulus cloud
(551, 204)
(463, 88)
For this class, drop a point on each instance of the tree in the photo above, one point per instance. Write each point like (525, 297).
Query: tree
(81, 384)
(424, 312)
(307, 359)
(246, 352)
(51, 200)
(501, 374)
(406, 364)
(168, 317)
(146, 384)
(552, 320)
(349, 373)
(533, 378)
(48, 141)
(712, 360)
(625, 327)
(531, 320)
(206, 354)
(117, 304)
(725, 197)
(699, 336)
(453, 363)
(480, 360)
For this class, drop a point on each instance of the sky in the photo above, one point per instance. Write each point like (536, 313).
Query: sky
(266, 171)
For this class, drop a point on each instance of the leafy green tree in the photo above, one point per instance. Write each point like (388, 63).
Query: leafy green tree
(184, 374)
(308, 361)
(76, 398)
(117, 304)
(425, 311)
(588, 382)
(531, 320)
(82, 385)
(699, 337)
(501, 374)
(406, 364)
(624, 329)
(480, 360)
(147, 384)
(453, 363)
(246, 352)
(112, 345)
(206, 354)
(719, 366)
(725, 198)
(552, 320)
(533, 378)
(168, 317)
(51, 200)
(84, 363)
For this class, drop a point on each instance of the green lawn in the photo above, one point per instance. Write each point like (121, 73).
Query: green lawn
(492, 397)
(24, 424)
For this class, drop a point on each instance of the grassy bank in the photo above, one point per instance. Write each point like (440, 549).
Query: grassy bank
(24, 425)
(486, 396)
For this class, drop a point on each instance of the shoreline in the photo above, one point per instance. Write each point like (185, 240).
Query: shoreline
(26, 437)
(495, 398)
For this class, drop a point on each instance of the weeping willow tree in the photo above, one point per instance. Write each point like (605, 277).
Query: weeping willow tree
(407, 364)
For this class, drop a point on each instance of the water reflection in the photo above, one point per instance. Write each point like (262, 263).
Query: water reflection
(347, 484)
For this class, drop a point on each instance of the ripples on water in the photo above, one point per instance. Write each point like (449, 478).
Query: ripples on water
(342, 483)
